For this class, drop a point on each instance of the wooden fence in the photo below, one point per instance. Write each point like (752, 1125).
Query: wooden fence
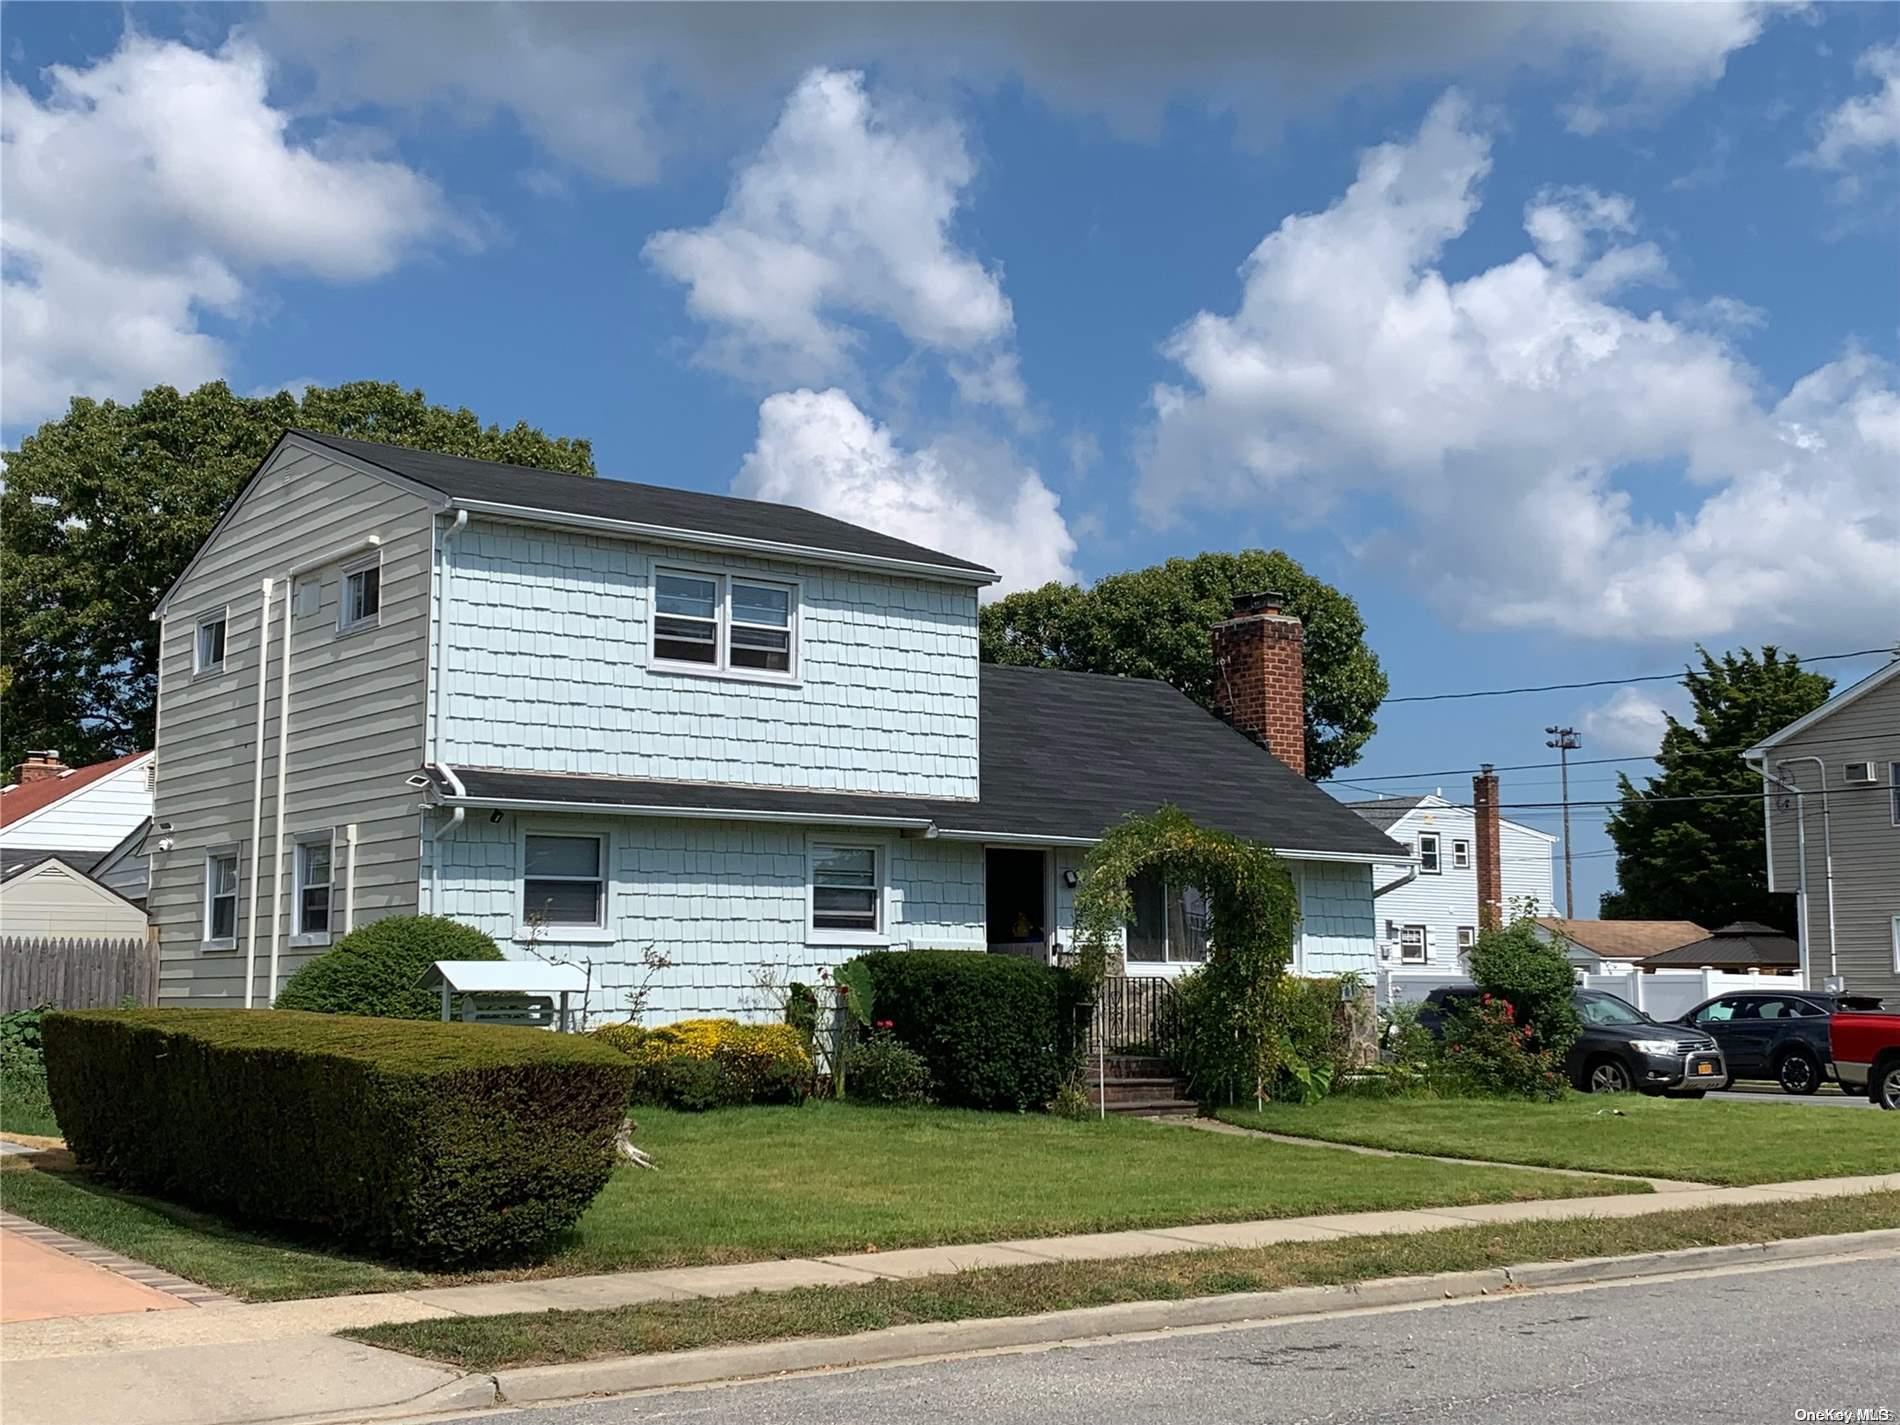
(76, 974)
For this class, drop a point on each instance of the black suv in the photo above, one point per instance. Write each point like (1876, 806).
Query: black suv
(1619, 1049)
(1776, 1034)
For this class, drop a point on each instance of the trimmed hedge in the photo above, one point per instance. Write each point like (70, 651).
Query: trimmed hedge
(452, 1145)
(699, 1064)
(996, 1031)
(373, 970)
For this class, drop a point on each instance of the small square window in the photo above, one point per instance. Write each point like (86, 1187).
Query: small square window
(563, 881)
(314, 883)
(1460, 855)
(1467, 936)
(208, 656)
(1428, 853)
(362, 600)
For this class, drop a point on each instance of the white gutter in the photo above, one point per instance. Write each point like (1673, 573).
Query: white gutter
(1827, 852)
(283, 736)
(702, 539)
(257, 789)
(1801, 861)
(1405, 880)
(456, 526)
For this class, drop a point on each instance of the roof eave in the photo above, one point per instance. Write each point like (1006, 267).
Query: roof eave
(1877, 678)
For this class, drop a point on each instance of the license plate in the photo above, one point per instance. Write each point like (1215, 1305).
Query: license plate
(1705, 1067)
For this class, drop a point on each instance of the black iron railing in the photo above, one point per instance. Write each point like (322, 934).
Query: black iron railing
(1135, 1014)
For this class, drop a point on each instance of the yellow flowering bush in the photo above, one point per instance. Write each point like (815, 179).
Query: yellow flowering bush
(712, 1063)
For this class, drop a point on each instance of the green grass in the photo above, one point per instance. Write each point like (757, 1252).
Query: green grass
(24, 1106)
(752, 1183)
(1711, 1141)
(492, 1342)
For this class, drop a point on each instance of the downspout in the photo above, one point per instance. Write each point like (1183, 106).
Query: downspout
(1801, 859)
(456, 526)
(1827, 855)
(257, 790)
(349, 878)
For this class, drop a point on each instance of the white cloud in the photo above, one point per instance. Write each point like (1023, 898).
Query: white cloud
(142, 192)
(816, 449)
(1526, 424)
(1628, 722)
(1868, 123)
(844, 216)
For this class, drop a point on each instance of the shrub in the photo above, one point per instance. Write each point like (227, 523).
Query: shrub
(452, 1145)
(1488, 1051)
(1519, 965)
(24, 1106)
(881, 1069)
(996, 1031)
(373, 970)
(724, 1062)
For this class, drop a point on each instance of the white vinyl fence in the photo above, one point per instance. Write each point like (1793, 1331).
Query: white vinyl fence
(1661, 994)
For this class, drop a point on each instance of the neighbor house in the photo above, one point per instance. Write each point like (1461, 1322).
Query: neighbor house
(1831, 801)
(93, 820)
(593, 717)
(1613, 946)
(1432, 917)
(50, 898)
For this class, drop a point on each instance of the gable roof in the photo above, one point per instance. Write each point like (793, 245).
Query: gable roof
(15, 859)
(1387, 812)
(656, 508)
(1624, 939)
(56, 863)
(21, 801)
(1746, 943)
(1064, 756)
(1877, 679)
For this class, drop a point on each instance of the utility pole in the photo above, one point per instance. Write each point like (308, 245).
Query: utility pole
(1566, 741)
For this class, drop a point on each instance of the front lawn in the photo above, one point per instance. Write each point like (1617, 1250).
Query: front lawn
(1710, 1141)
(750, 1183)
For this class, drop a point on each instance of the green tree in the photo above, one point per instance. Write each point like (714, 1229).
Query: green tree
(1153, 623)
(105, 506)
(1705, 860)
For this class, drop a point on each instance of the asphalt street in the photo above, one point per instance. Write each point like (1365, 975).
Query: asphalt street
(1730, 1349)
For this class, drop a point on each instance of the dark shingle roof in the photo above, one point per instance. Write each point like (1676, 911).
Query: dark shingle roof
(1746, 943)
(15, 859)
(1064, 755)
(460, 478)
(1386, 812)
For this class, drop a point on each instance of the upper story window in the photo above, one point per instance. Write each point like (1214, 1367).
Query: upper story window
(362, 603)
(1428, 853)
(1460, 855)
(208, 653)
(724, 623)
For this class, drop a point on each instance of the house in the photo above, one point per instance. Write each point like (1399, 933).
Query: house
(1831, 803)
(50, 898)
(1433, 917)
(49, 806)
(1744, 947)
(592, 717)
(1609, 946)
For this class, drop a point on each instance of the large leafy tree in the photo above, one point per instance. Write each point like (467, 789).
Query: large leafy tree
(1678, 858)
(1153, 623)
(104, 507)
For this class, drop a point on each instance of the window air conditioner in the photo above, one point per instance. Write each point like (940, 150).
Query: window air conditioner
(1858, 774)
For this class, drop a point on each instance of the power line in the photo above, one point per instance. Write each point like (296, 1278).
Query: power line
(1883, 789)
(1607, 682)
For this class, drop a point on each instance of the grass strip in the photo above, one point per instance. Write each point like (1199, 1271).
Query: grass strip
(551, 1337)
(1708, 1141)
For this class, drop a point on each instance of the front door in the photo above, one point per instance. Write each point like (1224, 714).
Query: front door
(1016, 900)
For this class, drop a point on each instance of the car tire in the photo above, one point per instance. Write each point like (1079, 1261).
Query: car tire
(1607, 1075)
(1797, 1072)
(1883, 1086)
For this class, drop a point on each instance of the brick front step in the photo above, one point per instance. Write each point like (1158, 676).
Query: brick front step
(1131, 1066)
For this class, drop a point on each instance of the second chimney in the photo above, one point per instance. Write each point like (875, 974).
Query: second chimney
(38, 767)
(1260, 675)
(1484, 810)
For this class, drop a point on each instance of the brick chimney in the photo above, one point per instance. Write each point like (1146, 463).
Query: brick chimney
(1260, 675)
(1484, 807)
(38, 767)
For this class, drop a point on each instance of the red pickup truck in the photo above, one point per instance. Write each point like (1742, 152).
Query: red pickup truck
(1866, 1049)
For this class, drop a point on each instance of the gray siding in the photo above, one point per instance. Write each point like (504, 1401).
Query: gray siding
(1866, 840)
(356, 718)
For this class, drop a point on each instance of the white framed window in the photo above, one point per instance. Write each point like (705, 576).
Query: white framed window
(1428, 853)
(1893, 780)
(361, 604)
(846, 893)
(1467, 936)
(221, 898)
(315, 878)
(1461, 855)
(1412, 944)
(1169, 926)
(207, 653)
(705, 621)
(1896, 944)
(563, 883)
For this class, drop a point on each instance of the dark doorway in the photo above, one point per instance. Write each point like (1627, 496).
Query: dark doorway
(1016, 898)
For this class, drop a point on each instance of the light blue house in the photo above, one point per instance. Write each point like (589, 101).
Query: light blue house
(593, 717)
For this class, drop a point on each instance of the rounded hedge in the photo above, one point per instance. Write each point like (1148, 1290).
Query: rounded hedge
(374, 969)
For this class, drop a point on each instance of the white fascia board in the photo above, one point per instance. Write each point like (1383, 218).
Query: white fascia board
(1866, 685)
(702, 539)
(804, 818)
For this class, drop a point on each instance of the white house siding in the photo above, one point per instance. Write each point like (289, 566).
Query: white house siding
(548, 638)
(1865, 836)
(1448, 900)
(723, 900)
(356, 718)
(95, 818)
(51, 900)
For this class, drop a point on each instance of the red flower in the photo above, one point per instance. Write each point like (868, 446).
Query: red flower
(887, 1024)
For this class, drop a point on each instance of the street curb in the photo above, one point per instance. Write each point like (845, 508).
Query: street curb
(542, 1384)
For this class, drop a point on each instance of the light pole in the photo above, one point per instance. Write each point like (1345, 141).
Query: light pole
(1566, 741)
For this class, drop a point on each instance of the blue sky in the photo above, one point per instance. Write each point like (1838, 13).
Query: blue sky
(1560, 337)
